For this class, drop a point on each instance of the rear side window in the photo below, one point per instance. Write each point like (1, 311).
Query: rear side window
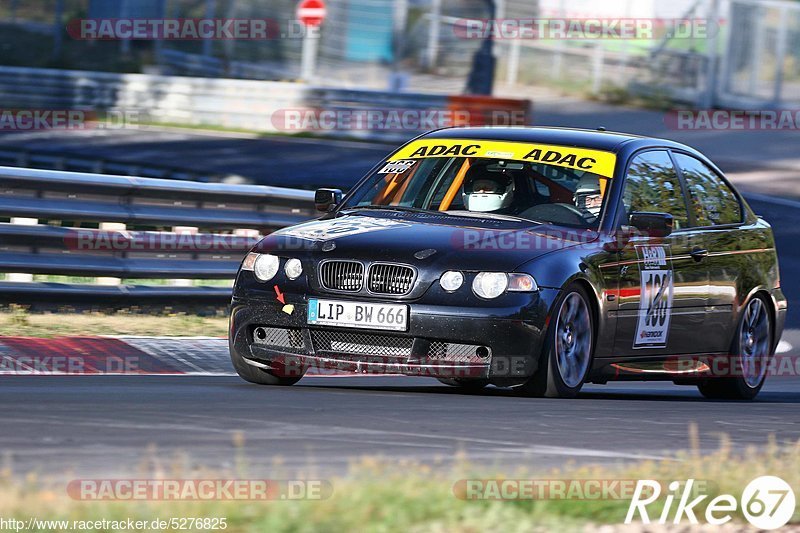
(652, 185)
(712, 201)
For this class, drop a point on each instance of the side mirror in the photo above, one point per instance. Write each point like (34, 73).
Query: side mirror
(653, 224)
(327, 199)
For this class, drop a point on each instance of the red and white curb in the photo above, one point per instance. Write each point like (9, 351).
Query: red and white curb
(125, 355)
(84, 355)
(205, 356)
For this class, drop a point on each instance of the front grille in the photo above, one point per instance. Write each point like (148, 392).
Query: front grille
(340, 342)
(458, 353)
(280, 338)
(390, 279)
(342, 275)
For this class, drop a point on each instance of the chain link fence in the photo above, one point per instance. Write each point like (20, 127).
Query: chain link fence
(750, 60)
(761, 64)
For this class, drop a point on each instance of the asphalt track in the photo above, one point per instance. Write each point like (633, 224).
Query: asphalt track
(116, 425)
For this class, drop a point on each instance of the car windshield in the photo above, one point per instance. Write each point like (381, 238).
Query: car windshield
(539, 184)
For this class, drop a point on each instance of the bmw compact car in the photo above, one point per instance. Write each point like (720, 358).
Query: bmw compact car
(533, 258)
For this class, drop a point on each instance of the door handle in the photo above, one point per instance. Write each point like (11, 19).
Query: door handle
(698, 254)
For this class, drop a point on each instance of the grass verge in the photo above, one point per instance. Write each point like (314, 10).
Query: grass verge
(404, 496)
(16, 321)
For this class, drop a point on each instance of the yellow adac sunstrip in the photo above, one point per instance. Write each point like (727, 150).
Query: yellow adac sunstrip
(595, 161)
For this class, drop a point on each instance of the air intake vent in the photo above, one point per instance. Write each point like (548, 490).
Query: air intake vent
(346, 343)
(342, 275)
(390, 279)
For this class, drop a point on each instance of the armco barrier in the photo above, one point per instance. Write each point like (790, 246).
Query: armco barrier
(37, 240)
(75, 162)
(238, 104)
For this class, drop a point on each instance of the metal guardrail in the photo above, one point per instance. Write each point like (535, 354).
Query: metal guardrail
(186, 64)
(136, 247)
(26, 158)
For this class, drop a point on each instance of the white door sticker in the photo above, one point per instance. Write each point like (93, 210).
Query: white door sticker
(655, 304)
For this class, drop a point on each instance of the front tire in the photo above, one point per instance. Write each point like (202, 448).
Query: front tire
(262, 376)
(567, 352)
(750, 352)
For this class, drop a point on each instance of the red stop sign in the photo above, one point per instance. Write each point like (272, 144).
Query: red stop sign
(311, 12)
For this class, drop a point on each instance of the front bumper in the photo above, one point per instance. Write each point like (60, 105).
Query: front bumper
(442, 342)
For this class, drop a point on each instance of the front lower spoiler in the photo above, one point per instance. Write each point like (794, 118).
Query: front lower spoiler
(293, 365)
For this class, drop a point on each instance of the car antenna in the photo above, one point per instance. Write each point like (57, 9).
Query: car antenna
(601, 128)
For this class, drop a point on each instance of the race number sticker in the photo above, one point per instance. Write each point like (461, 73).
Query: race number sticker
(397, 167)
(324, 230)
(655, 305)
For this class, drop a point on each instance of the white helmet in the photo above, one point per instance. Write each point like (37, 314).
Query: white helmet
(487, 191)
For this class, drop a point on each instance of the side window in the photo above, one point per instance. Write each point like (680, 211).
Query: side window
(712, 201)
(652, 185)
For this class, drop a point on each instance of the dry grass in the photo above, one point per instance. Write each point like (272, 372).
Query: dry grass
(18, 322)
(404, 496)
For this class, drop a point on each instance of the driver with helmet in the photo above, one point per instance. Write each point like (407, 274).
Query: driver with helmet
(486, 192)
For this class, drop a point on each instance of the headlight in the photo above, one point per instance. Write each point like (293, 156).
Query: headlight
(266, 266)
(490, 284)
(293, 268)
(451, 281)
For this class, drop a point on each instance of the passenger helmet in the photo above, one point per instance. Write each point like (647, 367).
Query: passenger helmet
(588, 188)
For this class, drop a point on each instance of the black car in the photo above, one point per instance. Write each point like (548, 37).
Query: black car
(533, 258)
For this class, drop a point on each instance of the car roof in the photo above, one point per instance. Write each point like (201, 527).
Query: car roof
(592, 139)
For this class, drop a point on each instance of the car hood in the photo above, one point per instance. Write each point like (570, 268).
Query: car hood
(430, 240)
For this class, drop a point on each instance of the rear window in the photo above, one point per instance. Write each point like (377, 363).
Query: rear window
(711, 199)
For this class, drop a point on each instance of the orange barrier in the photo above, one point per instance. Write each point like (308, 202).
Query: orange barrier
(490, 111)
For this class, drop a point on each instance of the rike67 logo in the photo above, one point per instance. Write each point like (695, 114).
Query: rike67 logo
(767, 502)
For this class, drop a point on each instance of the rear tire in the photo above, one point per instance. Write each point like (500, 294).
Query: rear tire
(751, 351)
(566, 356)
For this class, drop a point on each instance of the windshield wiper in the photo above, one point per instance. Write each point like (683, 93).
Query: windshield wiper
(400, 208)
(493, 216)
